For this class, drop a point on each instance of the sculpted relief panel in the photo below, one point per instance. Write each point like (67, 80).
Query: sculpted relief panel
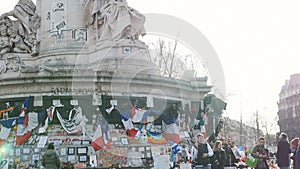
(19, 36)
(113, 20)
(23, 32)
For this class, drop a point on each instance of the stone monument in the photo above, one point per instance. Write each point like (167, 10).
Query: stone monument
(71, 55)
(55, 44)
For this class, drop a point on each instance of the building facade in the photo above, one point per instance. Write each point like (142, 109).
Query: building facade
(289, 107)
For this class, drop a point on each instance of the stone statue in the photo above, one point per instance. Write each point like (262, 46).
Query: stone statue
(4, 39)
(114, 19)
(17, 42)
(24, 11)
(92, 12)
(22, 32)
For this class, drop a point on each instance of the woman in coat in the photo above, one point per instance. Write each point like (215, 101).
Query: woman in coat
(219, 156)
(283, 152)
(50, 158)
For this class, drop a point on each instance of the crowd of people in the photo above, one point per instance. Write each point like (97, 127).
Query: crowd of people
(220, 154)
(214, 155)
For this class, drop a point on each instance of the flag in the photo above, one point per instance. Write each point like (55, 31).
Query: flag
(97, 140)
(32, 121)
(43, 129)
(109, 110)
(50, 112)
(140, 115)
(27, 103)
(127, 123)
(42, 116)
(72, 125)
(42, 121)
(156, 138)
(175, 149)
(7, 124)
(101, 138)
(133, 132)
(171, 132)
(22, 133)
(133, 111)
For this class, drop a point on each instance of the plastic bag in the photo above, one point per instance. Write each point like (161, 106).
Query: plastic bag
(251, 161)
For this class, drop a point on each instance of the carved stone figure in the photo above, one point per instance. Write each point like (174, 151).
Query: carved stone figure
(33, 43)
(22, 31)
(17, 42)
(4, 40)
(114, 20)
(25, 12)
(93, 11)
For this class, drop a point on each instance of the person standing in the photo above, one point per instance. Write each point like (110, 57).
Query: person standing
(259, 151)
(294, 146)
(231, 158)
(219, 156)
(50, 158)
(204, 154)
(283, 152)
(297, 158)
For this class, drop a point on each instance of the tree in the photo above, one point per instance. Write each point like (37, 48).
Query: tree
(165, 53)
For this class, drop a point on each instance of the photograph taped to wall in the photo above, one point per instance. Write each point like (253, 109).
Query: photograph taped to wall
(82, 150)
(71, 150)
(124, 140)
(114, 102)
(85, 142)
(26, 158)
(63, 151)
(74, 102)
(36, 150)
(18, 152)
(26, 150)
(35, 157)
(83, 158)
(93, 161)
(71, 158)
(11, 152)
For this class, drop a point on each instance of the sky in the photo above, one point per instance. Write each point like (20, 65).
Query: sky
(257, 43)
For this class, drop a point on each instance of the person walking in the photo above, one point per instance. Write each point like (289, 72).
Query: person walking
(50, 158)
(219, 156)
(283, 152)
(205, 152)
(259, 151)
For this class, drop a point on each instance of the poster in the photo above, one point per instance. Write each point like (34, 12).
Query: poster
(42, 142)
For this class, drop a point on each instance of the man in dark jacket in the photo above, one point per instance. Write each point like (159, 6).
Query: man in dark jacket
(260, 152)
(283, 152)
(50, 158)
(204, 154)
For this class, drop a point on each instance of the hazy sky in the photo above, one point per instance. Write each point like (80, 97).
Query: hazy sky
(257, 42)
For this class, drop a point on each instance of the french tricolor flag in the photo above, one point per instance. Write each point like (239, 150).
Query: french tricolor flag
(25, 123)
(171, 132)
(6, 124)
(101, 139)
(22, 133)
